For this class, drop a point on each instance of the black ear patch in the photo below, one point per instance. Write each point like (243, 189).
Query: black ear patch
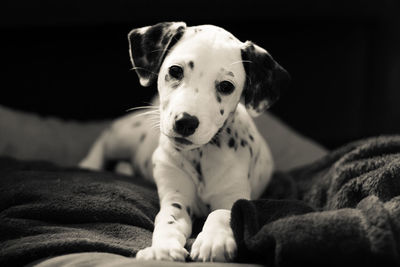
(149, 45)
(265, 79)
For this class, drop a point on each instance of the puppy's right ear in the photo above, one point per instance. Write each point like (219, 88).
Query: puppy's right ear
(149, 45)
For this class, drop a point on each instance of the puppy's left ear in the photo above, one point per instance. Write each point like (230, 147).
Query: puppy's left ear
(149, 45)
(265, 79)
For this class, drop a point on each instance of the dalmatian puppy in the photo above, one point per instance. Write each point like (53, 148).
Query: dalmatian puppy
(204, 151)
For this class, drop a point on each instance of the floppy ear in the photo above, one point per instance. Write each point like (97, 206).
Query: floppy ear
(264, 79)
(148, 47)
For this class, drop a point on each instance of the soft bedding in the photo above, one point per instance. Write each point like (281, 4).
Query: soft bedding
(341, 209)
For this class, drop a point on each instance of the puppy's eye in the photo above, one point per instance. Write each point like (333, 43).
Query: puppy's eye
(176, 72)
(225, 87)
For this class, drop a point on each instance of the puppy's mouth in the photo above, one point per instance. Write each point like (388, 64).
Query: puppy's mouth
(182, 141)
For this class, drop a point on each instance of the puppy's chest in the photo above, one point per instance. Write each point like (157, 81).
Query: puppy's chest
(210, 167)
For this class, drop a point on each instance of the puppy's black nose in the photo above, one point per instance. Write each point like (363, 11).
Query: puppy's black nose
(186, 124)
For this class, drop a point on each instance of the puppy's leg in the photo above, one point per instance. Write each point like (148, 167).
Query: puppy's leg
(173, 224)
(95, 158)
(117, 143)
(216, 241)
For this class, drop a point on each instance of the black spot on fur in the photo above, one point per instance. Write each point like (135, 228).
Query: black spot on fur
(137, 124)
(198, 169)
(251, 137)
(221, 111)
(188, 211)
(175, 85)
(176, 205)
(228, 130)
(219, 99)
(231, 142)
(251, 151)
(243, 143)
(171, 222)
(215, 140)
(201, 154)
(191, 64)
(142, 137)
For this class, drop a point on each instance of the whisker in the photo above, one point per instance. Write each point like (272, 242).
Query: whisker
(148, 113)
(154, 121)
(141, 107)
(157, 50)
(241, 61)
(155, 111)
(140, 68)
(152, 104)
(155, 127)
(155, 117)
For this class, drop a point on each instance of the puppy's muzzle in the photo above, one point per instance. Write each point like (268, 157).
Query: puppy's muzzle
(186, 124)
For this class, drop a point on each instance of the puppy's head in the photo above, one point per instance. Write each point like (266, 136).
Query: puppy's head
(202, 73)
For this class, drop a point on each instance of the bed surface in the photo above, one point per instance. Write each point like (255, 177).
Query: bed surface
(108, 259)
(340, 210)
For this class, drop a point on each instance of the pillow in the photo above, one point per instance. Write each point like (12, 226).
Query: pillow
(289, 148)
(29, 136)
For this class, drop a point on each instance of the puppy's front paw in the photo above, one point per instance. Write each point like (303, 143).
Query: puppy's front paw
(166, 253)
(218, 245)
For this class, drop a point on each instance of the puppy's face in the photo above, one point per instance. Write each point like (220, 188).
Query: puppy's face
(202, 72)
(200, 83)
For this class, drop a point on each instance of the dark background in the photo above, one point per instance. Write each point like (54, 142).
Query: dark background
(70, 58)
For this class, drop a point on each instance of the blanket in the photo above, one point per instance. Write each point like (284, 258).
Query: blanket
(342, 209)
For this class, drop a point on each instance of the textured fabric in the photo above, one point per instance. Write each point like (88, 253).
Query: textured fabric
(342, 209)
(48, 211)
